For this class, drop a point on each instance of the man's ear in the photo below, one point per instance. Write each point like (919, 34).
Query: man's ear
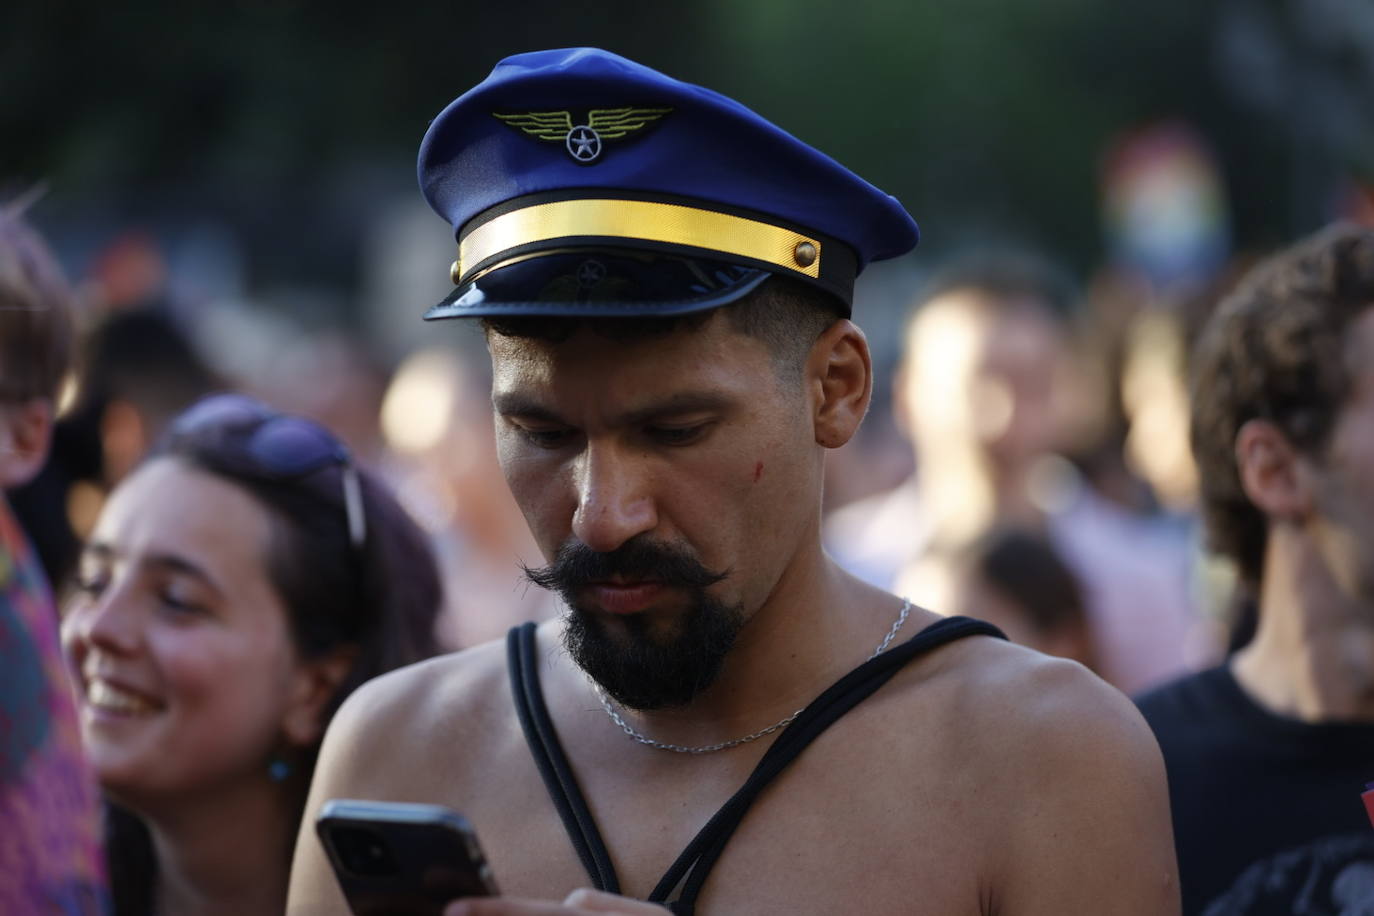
(313, 687)
(840, 374)
(1268, 465)
(24, 440)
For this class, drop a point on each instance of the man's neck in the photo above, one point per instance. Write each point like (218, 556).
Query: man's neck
(228, 853)
(1312, 657)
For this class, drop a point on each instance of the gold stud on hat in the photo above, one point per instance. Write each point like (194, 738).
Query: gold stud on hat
(804, 254)
(454, 273)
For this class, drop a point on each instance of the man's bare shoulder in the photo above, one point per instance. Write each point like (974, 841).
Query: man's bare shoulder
(443, 731)
(450, 683)
(1012, 700)
(1049, 750)
(451, 705)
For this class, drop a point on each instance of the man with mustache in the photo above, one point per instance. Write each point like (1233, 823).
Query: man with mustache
(725, 721)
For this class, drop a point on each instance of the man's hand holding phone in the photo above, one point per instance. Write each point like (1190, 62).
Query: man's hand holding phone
(394, 858)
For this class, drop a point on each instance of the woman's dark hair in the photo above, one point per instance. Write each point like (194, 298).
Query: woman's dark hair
(381, 596)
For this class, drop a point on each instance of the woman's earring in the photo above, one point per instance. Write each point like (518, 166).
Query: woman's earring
(278, 770)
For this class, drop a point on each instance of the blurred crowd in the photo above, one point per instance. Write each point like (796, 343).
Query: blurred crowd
(1028, 455)
(1029, 465)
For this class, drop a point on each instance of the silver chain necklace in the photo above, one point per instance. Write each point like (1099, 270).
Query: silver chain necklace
(735, 742)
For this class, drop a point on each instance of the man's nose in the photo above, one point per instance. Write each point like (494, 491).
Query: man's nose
(614, 499)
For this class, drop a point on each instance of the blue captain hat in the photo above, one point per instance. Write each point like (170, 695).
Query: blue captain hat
(581, 183)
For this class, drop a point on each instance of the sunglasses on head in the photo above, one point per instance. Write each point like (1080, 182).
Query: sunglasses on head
(278, 445)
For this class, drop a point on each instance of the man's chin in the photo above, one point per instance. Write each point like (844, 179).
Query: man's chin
(649, 661)
(648, 702)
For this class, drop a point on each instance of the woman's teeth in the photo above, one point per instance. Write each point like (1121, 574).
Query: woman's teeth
(106, 696)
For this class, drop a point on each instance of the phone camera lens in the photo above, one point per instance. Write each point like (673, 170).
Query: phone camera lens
(363, 852)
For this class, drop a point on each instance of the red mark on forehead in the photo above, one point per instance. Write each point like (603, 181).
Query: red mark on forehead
(758, 471)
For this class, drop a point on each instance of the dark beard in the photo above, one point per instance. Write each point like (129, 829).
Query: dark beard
(644, 667)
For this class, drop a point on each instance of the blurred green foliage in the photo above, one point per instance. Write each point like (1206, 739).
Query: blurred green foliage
(988, 118)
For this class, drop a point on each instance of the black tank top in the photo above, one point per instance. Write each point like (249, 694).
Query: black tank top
(688, 873)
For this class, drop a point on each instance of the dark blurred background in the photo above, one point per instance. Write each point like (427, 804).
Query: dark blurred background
(267, 137)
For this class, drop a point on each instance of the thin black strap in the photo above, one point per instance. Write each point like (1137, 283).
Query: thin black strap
(700, 856)
(552, 762)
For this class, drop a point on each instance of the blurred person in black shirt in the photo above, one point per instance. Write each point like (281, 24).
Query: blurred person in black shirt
(1267, 755)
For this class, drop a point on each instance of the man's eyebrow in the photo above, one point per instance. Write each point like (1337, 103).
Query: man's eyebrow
(687, 402)
(515, 405)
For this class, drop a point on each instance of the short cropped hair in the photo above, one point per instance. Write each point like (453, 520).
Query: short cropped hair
(36, 307)
(786, 315)
(1273, 350)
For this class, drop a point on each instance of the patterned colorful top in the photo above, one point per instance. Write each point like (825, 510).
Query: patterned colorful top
(51, 859)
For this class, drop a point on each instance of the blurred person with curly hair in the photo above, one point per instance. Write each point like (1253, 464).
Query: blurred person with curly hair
(1268, 753)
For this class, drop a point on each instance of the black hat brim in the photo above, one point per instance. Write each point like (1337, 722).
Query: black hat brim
(593, 283)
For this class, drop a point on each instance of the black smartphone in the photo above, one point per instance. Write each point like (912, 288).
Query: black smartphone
(401, 859)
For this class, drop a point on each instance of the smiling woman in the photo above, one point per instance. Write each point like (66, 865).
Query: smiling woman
(235, 589)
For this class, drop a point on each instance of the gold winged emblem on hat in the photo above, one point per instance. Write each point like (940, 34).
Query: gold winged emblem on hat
(583, 141)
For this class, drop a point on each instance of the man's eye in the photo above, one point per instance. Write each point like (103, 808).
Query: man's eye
(546, 438)
(678, 435)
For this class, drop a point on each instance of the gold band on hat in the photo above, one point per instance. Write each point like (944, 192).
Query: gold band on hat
(642, 220)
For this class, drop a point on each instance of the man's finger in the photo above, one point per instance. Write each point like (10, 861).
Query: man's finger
(584, 898)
